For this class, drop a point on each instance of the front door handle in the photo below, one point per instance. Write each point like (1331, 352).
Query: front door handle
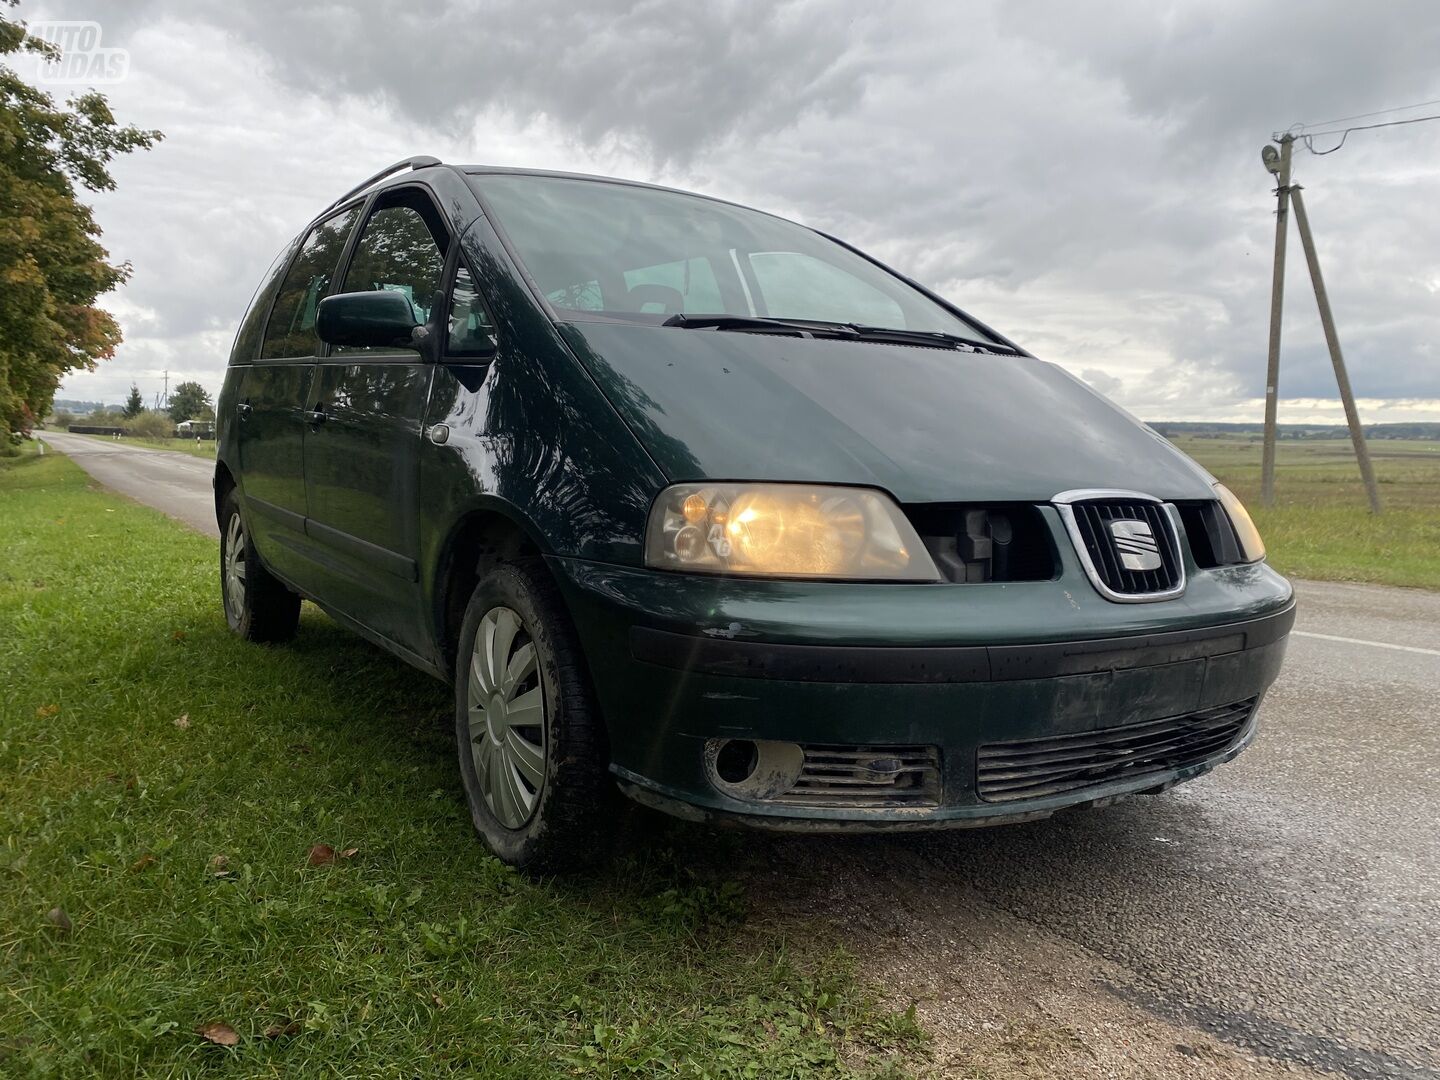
(243, 408)
(316, 416)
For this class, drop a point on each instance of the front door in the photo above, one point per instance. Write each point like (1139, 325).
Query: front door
(362, 444)
(270, 400)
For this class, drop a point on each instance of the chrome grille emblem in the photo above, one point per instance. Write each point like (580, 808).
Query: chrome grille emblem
(1136, 545)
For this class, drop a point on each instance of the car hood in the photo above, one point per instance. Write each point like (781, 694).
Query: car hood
(926, 425)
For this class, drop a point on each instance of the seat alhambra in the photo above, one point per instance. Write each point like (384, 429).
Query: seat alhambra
(696, 504)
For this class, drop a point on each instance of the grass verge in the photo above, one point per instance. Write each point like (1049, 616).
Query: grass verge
(1321, 526)
(163, 784)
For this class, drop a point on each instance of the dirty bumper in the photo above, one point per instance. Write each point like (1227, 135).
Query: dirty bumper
(792, 706)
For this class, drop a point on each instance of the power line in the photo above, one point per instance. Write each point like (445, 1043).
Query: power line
(1344, 133)
(1297, 128)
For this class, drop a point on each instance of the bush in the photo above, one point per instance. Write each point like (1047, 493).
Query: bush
(151, 425)
(60, 419)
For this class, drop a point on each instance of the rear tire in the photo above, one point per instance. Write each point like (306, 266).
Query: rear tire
(533, 754)
(257, 605)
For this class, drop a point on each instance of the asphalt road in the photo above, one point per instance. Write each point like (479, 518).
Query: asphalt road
(1289, 902)
(175, 483)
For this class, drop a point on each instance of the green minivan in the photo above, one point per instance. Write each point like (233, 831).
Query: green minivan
(699, 505)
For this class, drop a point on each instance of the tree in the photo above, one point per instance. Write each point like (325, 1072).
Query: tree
(188, 400)
(134, 404)
(52, 266)
(61, 419)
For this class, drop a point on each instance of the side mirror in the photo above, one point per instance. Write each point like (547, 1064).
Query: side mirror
(382, 318)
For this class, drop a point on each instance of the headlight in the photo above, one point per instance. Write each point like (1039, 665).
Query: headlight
(785, 530)
(1252, 548)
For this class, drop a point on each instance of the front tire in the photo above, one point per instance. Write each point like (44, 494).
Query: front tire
(258, 606)
(532, 749)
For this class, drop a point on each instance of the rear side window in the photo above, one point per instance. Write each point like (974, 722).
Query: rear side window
(247, 339)
(291, 329)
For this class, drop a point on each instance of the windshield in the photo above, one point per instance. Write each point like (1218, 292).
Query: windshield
(643, 254)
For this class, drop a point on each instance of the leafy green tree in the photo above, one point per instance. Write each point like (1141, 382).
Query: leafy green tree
(51, 264)
(61, 419)
(189, 400)
(134, 404)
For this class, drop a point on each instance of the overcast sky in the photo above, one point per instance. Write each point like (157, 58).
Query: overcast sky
(1089, 185)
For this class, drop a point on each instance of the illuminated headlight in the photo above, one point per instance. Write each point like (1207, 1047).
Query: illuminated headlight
(1252, 548)
(785, 530)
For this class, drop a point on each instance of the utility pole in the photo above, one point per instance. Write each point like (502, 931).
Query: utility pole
(1279, 164)
(1347, 396)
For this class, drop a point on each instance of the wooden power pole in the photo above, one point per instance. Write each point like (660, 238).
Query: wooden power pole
(1279, 164)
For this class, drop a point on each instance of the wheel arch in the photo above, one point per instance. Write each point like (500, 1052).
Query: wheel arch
(223, 483)
(486, 534)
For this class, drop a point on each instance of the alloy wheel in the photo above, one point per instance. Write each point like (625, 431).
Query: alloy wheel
(506, 708)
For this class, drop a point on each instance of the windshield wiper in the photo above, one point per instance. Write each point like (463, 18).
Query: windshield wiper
(755, 324)
(937, 338)
(761, 325)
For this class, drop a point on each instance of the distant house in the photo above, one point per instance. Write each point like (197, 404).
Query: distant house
(195, 429)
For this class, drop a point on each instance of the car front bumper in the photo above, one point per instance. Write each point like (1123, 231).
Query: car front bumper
(1044, 671)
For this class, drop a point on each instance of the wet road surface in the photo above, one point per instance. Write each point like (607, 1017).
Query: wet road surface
(1288, 902)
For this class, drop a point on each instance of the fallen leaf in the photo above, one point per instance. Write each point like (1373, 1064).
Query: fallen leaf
(182, 721)
(321, 855)
(219, 1034)
(219, 865)
(46, 711)
(144, 862)
(178, 635)
(58, 919)
(349, 852)
(438, 1000)
(290, 1027)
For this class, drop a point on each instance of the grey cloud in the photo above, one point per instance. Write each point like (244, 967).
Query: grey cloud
(1095, 178)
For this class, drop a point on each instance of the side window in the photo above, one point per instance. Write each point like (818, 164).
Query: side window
(686, 286)
(247, 338)
(797, 286)
(401, 250)
(291, 329)
(470, 333)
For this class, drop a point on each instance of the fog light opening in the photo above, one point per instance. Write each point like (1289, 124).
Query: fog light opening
(736, 760)
(753, 768)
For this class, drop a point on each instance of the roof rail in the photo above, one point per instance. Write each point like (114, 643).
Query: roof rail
(423, 161)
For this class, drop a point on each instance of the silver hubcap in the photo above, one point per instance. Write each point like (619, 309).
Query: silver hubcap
(235, 568)
(507, 717)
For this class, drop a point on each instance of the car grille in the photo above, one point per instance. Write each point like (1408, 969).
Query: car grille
(874, 776)
(1032, 768)
(1092, 524)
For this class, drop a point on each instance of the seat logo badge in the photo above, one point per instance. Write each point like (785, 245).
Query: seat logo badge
(1136, 545)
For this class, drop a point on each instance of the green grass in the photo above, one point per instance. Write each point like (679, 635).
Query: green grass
(203, 449)
(1321, 526)
(163, 782)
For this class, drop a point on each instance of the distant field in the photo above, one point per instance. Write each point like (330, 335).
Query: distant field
(1321, 526)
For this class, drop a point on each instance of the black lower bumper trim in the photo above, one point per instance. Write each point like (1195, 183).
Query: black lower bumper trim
(950, 664)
